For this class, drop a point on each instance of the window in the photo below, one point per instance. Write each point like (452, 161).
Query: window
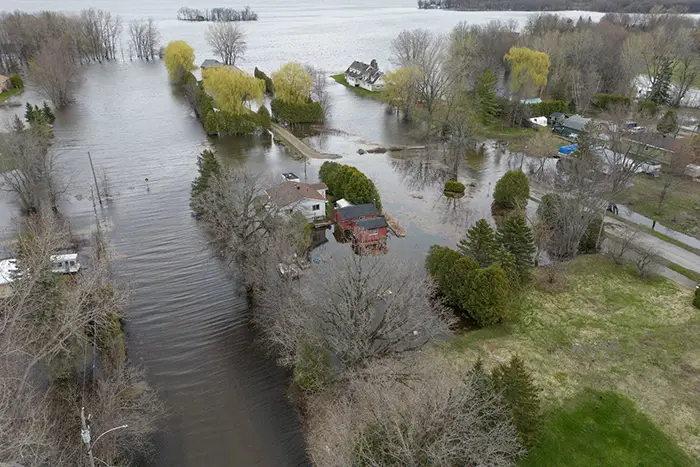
(316, 207)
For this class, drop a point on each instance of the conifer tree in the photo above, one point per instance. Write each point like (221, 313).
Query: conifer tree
(517, 239)
(660, 91)
(668, 123)
(485, 90)
(208, 168)
(480, 243)
(521, 395)
(48, 113)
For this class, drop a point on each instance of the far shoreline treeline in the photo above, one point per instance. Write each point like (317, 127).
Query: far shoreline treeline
(603, 6)
(216, 14)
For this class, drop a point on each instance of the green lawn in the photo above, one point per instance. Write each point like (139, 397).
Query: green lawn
(9, 93)
(603, 428)
(499, 131)
(606, 329)
(680, 211)
(340, 78)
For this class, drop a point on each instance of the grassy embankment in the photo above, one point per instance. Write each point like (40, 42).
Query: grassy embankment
(605, 329)
(340, 79)
(680, 211)
(9, 93)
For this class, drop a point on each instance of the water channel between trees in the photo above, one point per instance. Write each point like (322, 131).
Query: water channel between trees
(187, 325)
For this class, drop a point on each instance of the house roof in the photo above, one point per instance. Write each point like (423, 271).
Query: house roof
(319, 186)
(212, 63)
(576, 123)
(8, 269)
(358, 210)
(287, 193)
(364, 72)
(4, 78)
(373, 223)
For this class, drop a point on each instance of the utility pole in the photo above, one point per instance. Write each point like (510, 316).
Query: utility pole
(95, 178)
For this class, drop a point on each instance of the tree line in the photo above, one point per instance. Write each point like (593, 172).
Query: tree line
(613, 6)
(216, 14)
(51, 46)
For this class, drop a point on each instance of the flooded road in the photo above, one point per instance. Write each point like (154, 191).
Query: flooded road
(187, 325)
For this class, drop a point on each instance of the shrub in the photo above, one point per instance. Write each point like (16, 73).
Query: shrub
(347, 182)
(313, 369)
(307, 112)
(512, 190)
(264, 117)
(269, 87)
(696, 298)
(189, 78)
(452, 186)
(668, 123)
(606, 101)
(590, 238)
(16, 81)
(548, 108)
(647, 108)
(521, 396)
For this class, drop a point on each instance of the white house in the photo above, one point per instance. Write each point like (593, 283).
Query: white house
(307, 199)
(365, 76)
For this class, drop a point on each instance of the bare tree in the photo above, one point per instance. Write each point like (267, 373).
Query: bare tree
(34, 175)
(99, 34)
(420, 411)
(55, 72)
(367, 308)
(672, 175)
(145, 38)
(646, 262)
(621, 244)
(227, 40)
(584, 86)
(319, 89)
(687, 64)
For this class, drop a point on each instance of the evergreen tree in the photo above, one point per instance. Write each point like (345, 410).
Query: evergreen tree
(485, 90)
(29, 113)
(208, 168)
(480, 243)
(512, 190)
(668, 123)
(521, 396)
(696, 298)
(660, 91)
(517, 239)
(48, 113)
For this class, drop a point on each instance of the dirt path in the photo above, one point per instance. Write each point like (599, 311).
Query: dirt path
(297, 145)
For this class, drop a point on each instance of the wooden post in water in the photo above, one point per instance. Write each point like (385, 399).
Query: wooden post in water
(97, 188)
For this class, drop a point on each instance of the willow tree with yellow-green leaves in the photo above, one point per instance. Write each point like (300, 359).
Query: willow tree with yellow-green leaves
(232, 89)
(292, 83)
(529, 69)
(179, 60)
(400, 89)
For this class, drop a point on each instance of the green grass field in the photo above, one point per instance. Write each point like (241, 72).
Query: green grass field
(9, 93)
(340, 78)
(605, 329)
(680, 211)
(603, 429)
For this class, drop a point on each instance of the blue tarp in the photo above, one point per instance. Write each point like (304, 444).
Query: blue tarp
(568, 149)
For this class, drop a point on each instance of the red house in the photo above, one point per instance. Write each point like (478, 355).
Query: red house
(365, 225)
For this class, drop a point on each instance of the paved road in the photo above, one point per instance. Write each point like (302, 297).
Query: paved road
(298, 145)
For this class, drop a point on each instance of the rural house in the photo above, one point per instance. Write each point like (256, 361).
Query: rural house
(4, 83)
(212, 63)
(307, 199)
(365, 225)
(368, 77)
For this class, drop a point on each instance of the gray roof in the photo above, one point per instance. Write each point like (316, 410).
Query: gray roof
(364, 72)
(211, 63)
(287, 193)
(359, 210)
(576, 123)
(373, 223)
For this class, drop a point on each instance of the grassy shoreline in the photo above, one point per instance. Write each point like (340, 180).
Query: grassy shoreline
(9, 93)
(340, 79)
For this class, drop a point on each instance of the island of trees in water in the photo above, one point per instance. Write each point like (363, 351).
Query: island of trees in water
(617, 6)
(216, 14)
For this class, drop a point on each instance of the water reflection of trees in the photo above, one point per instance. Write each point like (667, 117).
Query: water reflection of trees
(454, 211)
(418, 175)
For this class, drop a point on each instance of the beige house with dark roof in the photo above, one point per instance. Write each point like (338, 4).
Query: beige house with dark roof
(4, 83)
(307, 199)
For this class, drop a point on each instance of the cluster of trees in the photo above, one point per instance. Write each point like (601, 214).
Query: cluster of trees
(295, 88)
(52, 45)
(349, 331)
(216, 14)
(35, 114)
(227, 41)
(50, 323)
(620, 6)
(347, 182)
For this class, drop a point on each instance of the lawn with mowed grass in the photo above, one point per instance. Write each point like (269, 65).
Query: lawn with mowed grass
(680, 210)
(603, 429)
(602, 327)
(340, 78)
(9, 93)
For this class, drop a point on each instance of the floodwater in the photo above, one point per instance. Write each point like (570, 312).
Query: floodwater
(187, 325)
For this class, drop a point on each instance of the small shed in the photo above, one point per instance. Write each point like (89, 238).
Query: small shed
(347, 217)
(5, 83)
(538, 122)
(370, 235)
(573, 126)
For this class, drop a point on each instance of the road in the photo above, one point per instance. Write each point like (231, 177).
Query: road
(298, 145)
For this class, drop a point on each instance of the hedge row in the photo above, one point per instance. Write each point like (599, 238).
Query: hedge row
(309, 112)
(605, 101)
(548, 108)
(269, 86)
(347, 182)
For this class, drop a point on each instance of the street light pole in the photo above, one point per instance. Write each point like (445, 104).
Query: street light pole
(85, 435)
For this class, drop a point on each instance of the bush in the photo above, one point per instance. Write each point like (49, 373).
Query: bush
(269, 87)
(668, 123)
(264, 117)
(590, 238)
(313, 369)
(512, 190)
(647, 108)
(189, 78)
(696, 299)
(307, 112)
(452, 186)
(347, 182)
(606, 101)
(548, 108)
(16, 81)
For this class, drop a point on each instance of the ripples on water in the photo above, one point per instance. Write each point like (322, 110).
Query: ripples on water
(187, 325)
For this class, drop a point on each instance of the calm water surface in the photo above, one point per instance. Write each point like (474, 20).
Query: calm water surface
(187, 325)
